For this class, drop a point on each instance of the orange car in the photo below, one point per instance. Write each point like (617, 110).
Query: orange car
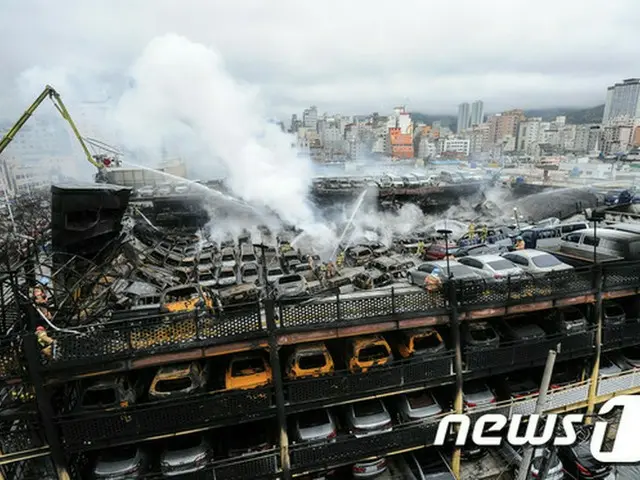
(184, 298)
(420, 341)
(247, 370)
(364, 353)
(309, 360)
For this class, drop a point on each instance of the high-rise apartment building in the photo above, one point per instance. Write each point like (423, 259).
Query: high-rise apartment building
(310, 117)
(622, 104)
(464, 117)
(477, 113)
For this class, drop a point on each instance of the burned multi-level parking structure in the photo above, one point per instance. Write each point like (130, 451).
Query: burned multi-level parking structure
(122, 353)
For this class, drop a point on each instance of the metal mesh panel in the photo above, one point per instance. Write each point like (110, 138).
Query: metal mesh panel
(344, 384)
(419, 302)
(476, 359)
(20, 432)
(250, 466)
(427, 369)
(350, 449)
(566, 396)
(618, 336)
(92, 430)
(576, 344)
(524, 407)
(528, 289)
(41, 468)
(373, 307)
(621, 276)
(618, 383)
(161, 333)
(11, 359)
(308, 314)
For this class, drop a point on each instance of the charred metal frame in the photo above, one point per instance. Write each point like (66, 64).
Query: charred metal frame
(459, 303)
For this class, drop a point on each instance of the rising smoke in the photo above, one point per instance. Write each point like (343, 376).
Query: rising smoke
(181, 83)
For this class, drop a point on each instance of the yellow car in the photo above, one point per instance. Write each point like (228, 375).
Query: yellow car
(309, 360)
(247, 370)
(364, 353)
(184, 298)
(420, 341)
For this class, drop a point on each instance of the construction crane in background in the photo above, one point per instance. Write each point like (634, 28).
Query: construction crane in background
(49, 92)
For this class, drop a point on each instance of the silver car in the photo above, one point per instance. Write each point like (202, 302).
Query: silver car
(226, 276)
(291, 286)
(476, 393)
(536, 262)
(163, 189)
(249, 272)
(499, 268)
(369, 468)
(185, 454)
(121, 463)
(228, 257)
(273, 274)
(315, 425)
(418, 406)
(369, 417)
(146, 191)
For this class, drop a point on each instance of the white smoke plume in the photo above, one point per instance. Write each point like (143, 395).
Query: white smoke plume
(179, 85)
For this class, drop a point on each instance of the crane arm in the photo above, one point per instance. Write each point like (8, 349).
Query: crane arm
(50, 92)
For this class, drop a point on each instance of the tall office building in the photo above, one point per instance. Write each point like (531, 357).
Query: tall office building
(464, 117)
(477, 112)
(622, 104)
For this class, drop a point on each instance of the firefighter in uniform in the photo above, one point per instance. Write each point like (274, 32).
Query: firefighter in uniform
(472, 230)
(519, 244)
(485, 232)
(340, 260)
(420, 249)
(432, 281)
(45, 341)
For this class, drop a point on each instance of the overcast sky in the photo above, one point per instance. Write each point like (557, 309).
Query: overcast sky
(349, 56)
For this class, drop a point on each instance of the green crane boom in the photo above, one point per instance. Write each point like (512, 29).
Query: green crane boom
(57, 102)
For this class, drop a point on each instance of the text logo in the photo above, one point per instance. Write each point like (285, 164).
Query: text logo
(488, 430)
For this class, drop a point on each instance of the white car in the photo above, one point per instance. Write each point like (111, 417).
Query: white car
(163, 189)
(536, 262)
(181, 189)
(146, 191)
(498, 267)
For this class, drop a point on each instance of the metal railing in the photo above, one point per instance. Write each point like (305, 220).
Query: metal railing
(95, 429)
(343, 384)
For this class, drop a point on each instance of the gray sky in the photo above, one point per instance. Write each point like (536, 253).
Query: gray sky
(349, 56)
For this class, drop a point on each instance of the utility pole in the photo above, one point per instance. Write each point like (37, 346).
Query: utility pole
(527, 453)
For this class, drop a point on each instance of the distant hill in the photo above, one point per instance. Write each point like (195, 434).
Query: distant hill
(574, 115)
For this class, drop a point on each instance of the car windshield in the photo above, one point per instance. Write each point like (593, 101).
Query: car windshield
(99, 396)
(312, 419)
(459, 270)
(426, 341)
(475, 387)
(228, 257)
(250, 272)
(273, 272)
(173, 384)
(373, 352)
(247, 366)
(483, 333)
(545, 261)
(613, 310)
(312, 360)
(572, 314)
(501, 265)
(366, 408)
(120, 454)
(227, 274)
(183, 442)
(289, 279)
(420, 400)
